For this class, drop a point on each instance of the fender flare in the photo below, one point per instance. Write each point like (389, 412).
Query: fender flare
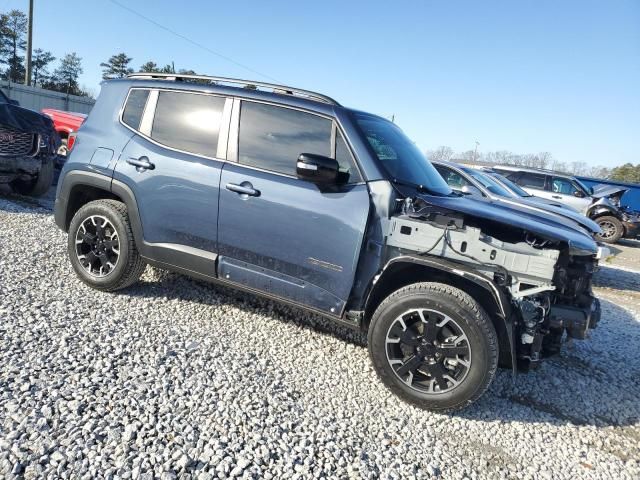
(600, 210)
(505, 314)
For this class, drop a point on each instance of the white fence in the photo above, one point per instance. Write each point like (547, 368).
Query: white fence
(36, 98)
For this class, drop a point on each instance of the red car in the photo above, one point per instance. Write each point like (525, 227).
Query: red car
(66, 124)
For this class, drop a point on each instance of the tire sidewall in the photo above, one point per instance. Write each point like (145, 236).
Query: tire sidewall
(482, 365)
(118, 222)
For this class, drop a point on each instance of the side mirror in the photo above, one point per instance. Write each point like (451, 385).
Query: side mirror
(14, 102)
(578, 193)
(317, 168)
(471, 190)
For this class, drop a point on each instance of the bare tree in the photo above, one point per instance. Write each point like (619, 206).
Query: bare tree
(544, 159)
(441, 153)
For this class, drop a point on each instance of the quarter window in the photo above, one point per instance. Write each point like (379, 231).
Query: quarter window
(272, 138)
(188, 121)
(134, 108)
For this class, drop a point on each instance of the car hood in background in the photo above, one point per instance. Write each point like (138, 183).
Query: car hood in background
(600, 191)
(25, 120)
(577, 217)
(548, 226)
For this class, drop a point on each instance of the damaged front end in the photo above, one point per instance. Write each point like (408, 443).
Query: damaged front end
(545, 275)
(27, 141)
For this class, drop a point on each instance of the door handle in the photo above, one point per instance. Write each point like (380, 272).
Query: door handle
(245, 188)
(141, 163)
(556, 196)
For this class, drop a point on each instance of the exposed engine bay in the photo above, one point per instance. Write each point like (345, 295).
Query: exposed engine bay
(549, 287)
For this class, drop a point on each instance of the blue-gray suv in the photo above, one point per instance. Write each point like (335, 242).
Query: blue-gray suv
(285, 193)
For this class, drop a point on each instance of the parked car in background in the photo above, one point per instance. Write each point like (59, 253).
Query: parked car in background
(66, 124)
(601, 205)
(522, 193)
(473, 182)
(28, 146)
(285, 193)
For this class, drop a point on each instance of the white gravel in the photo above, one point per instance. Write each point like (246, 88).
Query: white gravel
(174, 378)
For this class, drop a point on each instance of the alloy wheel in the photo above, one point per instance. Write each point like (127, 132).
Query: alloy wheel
(97, 246)
(608, 229)
(428, 351)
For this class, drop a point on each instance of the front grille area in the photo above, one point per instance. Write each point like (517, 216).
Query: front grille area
(15, 143)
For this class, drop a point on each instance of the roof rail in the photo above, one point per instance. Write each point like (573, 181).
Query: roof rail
(282, 89)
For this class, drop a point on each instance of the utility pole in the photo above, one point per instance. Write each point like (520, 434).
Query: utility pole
(27, 76)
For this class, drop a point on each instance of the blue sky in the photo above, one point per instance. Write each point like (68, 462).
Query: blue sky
(525, 76)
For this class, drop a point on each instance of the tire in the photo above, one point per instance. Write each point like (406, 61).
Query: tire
(472, 333)
(612, 229)
(39, 185)
(119, 271)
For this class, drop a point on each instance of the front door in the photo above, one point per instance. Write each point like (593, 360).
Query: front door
(568, 193)
(281, 235)
(173, 167)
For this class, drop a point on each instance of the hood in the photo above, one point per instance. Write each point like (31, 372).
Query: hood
(25, 120)
(546, 225)
(585, 222)
(600, 191)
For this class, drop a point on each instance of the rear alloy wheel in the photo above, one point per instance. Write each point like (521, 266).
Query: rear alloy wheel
(101, 246)
(97, 246)
(612, 229)
(433, 346)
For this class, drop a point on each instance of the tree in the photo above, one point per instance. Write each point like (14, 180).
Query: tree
(39, 64)
(626, 173)
(65, 77)
(13, 36)
(117, 66)
(544, 159)
(150, 67)
(441, 153)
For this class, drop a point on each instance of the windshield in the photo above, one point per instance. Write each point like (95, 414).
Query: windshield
(514, 187)
(3, 97)
(489, 183)
(400, 158)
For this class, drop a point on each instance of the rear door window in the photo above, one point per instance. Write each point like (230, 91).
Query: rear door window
(531, 180)
(134, 108)
(272, 138)
(188, 122)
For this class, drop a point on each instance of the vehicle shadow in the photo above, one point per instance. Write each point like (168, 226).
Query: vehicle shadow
(617, 279)
(161, 283)
(628, 242)
(591, 383)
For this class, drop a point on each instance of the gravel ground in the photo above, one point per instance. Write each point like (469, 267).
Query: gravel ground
(174, 378)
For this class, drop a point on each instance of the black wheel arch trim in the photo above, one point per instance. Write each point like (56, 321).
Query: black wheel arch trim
(173, 256)
(504, 314)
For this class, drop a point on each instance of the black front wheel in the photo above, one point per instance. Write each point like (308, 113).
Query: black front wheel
(433, 346)
(612, 229)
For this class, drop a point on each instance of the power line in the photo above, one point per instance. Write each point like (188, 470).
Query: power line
(193, 42)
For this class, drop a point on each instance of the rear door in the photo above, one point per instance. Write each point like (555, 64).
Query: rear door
(281, 235)
(173, 165)
(533, 183)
